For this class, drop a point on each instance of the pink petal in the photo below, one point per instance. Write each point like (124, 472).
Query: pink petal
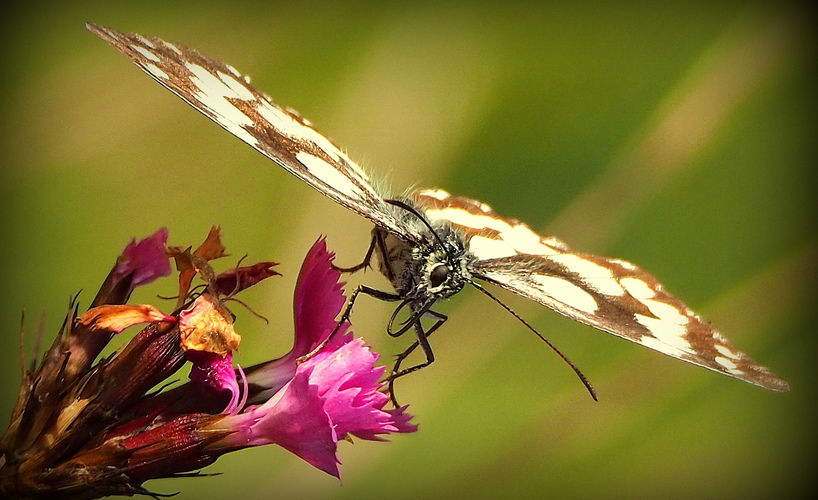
(319, 298)
(216, 371)
(146, 260)
(295, 420)
(348, 380)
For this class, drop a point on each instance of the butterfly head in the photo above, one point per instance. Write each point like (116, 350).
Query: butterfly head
(433, 269)
(444, 266)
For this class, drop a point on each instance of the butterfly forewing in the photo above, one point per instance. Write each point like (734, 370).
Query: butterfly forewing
(609, 294)
(222, 94)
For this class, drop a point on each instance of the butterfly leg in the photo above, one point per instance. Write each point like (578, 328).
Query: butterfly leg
(423, 342)
(376, 242)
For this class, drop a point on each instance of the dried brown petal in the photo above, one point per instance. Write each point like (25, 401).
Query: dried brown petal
(208, 326)
(115, 318)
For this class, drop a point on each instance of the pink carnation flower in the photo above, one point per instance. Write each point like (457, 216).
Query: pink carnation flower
(85, 430)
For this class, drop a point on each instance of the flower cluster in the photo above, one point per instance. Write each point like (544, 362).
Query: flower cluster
(84, 428)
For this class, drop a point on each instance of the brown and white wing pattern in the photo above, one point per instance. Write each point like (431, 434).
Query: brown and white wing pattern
(609, 294)
(225, 96)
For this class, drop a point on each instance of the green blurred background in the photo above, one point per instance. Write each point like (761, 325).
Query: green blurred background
(678, 137)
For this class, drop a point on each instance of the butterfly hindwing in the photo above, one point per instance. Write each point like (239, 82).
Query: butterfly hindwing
(611, 295)
(490, 235)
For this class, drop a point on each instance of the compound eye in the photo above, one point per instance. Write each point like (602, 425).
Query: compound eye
(438, 275)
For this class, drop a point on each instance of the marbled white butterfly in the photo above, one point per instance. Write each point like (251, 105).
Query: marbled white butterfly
(430, 244)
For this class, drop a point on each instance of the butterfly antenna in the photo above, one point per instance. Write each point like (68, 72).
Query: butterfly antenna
(581, 376)
(425, 222)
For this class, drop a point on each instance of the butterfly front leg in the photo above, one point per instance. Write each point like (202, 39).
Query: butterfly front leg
(377, 242)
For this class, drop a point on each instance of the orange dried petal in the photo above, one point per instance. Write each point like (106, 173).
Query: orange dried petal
(115, 318)
(206, 326)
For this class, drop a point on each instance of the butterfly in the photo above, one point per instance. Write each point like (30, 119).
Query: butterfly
(431, 244)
